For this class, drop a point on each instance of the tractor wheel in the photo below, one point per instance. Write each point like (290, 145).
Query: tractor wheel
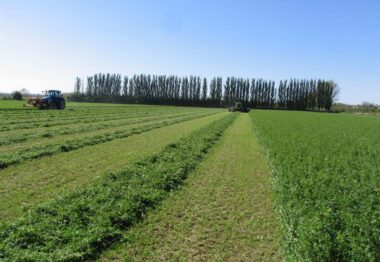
(62, 104)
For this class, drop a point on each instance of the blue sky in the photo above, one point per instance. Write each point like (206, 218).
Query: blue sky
(46, 44)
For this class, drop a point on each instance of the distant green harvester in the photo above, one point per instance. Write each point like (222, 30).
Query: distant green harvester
(239, 107)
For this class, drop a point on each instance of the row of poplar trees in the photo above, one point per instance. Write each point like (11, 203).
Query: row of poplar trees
(298, 94)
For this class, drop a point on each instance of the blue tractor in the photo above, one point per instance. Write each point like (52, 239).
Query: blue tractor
(52, 99)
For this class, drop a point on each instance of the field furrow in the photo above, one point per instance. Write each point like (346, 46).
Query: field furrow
(81, 224)
(75, 123)
(20, 154)
(222, 213)
(35, 117)
(22, 137)
(32, 182)
(43, 123)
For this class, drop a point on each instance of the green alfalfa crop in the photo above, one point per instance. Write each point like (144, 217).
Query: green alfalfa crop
(79, 225)
(12, 158)
(67, 130)
(18, 125)
(326, 173)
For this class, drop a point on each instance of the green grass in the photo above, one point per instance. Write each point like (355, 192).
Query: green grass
(106, 137)
(41, 149)
(33, 119)
(326, 172)
(22, 137)
(81, 224)
(27, 135)
(62, 134)
(14, 104)
(35, 181)
(222, 213)
(75, 181)
(8, 104)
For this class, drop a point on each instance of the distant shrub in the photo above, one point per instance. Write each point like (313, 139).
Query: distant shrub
(16, 95)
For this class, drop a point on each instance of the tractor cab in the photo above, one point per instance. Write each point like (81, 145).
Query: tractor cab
(52, 94)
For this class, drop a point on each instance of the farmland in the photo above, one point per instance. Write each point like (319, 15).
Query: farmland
(326, 180)
(140, 182)
(35, 179)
